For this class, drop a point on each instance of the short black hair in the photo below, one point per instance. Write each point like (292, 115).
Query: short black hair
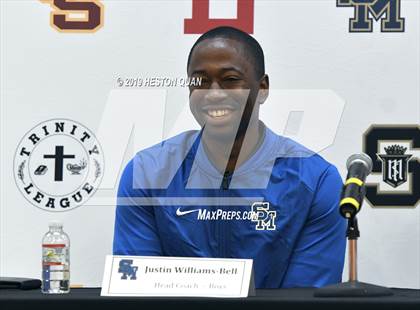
(252, 48)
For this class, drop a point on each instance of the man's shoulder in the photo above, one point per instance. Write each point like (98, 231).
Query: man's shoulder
(174, 146)
(310, 166)
(154, 166)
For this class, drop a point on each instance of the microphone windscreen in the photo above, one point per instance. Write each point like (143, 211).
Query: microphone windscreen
(363, 158)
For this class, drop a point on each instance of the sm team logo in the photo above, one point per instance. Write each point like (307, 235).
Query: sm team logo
(127, 269)
(263, 216)
(58, 165)
(395, 153)
(389, 11)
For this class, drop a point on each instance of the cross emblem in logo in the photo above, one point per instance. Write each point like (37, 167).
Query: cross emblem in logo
(59, 157)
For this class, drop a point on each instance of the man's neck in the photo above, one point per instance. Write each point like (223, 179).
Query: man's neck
(225, 156)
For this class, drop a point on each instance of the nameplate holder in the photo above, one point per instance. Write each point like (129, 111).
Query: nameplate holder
(127, 276)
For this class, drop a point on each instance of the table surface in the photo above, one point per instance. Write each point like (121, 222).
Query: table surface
(279, 298)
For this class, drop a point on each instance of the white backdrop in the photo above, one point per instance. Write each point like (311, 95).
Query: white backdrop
(369, 78)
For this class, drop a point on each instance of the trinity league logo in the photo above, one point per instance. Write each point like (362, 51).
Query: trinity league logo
(395, 165)
(58, 165)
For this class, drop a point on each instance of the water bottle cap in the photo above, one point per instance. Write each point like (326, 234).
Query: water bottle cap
(55, 223)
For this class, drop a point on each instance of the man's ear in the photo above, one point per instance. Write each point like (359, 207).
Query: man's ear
(264, 89)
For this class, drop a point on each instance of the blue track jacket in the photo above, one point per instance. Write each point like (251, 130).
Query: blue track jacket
(279, 208)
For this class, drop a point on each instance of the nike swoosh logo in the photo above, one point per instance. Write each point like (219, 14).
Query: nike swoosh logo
(181, 213)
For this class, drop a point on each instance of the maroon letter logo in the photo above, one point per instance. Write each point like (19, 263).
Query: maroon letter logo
(201, 22)
(76, 15)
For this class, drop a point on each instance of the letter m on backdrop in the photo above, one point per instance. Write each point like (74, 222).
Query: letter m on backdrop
(389, 11)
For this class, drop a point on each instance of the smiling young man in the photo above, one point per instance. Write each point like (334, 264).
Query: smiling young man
(234, 188)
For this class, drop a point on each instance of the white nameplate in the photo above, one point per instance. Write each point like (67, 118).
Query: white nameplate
(177, 276)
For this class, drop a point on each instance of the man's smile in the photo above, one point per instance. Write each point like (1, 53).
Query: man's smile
(218, 115)
(218, 112)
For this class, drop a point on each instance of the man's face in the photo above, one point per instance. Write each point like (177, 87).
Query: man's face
(228, 83)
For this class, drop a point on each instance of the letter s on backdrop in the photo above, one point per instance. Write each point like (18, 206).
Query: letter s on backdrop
(76, 15)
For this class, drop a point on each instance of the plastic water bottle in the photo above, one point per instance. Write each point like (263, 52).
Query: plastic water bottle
(55, 260)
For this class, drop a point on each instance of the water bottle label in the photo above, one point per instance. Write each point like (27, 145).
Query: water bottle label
(54, 254)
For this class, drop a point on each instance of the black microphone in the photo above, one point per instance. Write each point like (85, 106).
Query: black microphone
(358, 168)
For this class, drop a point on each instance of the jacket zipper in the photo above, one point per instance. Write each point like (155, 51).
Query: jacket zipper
(224, 225)
(225, 181)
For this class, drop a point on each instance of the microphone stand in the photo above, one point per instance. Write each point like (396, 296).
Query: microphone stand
(352, 288)
(352, 234)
